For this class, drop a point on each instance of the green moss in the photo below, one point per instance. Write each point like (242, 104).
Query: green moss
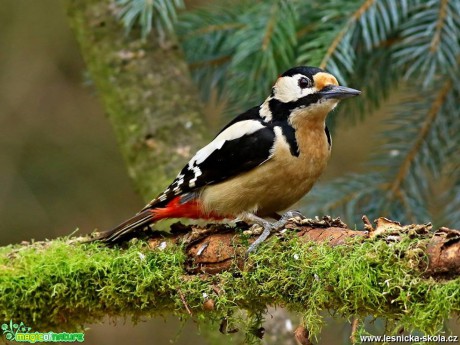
(57, 285)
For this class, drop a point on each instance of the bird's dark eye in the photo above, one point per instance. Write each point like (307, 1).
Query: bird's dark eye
(304, 82)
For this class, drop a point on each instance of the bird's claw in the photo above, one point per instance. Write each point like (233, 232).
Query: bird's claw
(292, 215)
(269, 228)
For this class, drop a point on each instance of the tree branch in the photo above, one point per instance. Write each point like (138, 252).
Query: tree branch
(406, 274)
(146, 90)
(212, 249)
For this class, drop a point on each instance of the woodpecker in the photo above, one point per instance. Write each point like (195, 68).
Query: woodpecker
(259, 164)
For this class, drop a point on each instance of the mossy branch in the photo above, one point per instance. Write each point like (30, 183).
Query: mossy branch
(407, 274)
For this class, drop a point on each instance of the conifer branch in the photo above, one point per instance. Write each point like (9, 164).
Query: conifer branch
(270, 26)
(439, 25)
(421, 136)
(214, 28)
(338, 39)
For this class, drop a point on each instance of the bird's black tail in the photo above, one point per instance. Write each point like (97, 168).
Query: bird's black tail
(126, 229)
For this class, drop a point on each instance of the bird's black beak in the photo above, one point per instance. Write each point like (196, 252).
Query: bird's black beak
(338, 92)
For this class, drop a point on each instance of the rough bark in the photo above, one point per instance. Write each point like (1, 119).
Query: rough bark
(146, 91)
(212, 249)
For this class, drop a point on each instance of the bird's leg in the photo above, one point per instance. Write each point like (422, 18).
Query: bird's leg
(275, 216)
(267, 226)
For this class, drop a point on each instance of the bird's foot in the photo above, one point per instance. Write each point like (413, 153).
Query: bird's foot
(269, 228)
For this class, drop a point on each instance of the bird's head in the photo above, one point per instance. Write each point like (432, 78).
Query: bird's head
(305, 91)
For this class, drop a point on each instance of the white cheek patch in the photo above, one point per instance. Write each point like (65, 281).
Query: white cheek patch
(287, 89)
(235, 131)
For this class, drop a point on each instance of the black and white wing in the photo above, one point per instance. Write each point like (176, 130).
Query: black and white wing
(240, 146)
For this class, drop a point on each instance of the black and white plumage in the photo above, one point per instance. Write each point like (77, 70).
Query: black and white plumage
(263, 161)
(248, 140)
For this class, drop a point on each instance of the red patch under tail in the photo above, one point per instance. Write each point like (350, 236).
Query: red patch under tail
(175, 209)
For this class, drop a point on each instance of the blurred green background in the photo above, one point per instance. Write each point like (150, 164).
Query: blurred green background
(60, 165)
(61, 168)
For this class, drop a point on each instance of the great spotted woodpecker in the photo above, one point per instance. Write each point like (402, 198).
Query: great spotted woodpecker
(260, 163)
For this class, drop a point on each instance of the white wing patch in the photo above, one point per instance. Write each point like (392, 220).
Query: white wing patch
(235, 131)
(188, 177)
